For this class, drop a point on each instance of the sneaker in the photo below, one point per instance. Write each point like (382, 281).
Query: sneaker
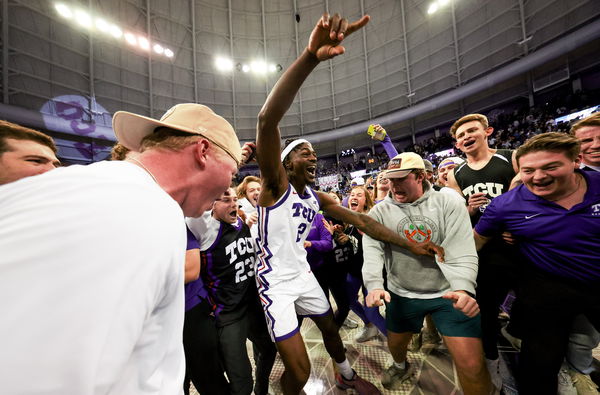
(358, 384)
(493, 366)
(367, 332)
(583, 383)
(431, 337)
(515, 342)
(565, 384)
(350, 323)
(393, 377)
(416, 342)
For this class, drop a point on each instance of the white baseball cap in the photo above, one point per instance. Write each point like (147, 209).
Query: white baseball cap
(357, 181)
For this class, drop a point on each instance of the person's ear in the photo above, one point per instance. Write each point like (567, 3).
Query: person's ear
(200, 150)
(577, 161)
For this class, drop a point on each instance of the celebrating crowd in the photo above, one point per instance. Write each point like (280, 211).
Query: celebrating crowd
(143, 273)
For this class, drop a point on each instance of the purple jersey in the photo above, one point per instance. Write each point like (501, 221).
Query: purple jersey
(194, 291)
(562, 242)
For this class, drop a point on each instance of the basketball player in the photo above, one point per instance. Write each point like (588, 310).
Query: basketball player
(287, 208)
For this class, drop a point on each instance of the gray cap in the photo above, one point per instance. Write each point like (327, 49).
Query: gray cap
(428, 165)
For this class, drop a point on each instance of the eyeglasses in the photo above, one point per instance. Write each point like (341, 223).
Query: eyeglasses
(226, 200)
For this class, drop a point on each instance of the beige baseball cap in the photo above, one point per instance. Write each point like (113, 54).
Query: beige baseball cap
(191, 118)
(402, 164)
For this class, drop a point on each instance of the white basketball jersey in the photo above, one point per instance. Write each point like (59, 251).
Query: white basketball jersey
(282, 229)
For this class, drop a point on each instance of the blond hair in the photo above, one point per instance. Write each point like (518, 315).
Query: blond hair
(482, 119)
(241, 189)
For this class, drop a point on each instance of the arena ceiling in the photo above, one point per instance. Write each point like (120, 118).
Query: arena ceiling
(405, 56)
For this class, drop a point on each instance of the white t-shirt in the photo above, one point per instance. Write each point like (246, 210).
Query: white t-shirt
(91, 283)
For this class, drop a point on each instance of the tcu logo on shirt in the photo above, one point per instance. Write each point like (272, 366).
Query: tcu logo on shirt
(308, 213)
(244, 268)
(302, 210)
(492, 189)
(596, 209)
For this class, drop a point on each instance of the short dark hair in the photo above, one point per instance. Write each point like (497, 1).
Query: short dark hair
(167, 138)
(553, 142)
(9, 130)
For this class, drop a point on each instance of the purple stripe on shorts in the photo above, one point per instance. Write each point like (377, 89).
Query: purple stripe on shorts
(318, 315)
(287, 336)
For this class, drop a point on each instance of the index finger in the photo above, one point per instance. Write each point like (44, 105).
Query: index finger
(324, 22)
(352, 27)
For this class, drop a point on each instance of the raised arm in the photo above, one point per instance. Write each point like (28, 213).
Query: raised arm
(324, 43)
(386, 142)
(375, 229)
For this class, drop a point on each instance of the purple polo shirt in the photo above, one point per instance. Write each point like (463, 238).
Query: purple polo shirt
(562, 242)
(194, 291)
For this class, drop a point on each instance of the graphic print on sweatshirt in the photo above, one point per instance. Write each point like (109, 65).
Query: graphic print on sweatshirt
(417, 228)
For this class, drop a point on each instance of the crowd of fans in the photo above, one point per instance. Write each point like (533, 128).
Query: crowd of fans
(98, 260)
(511, 129)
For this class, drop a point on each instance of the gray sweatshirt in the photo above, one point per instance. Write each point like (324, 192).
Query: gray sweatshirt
(437, 217)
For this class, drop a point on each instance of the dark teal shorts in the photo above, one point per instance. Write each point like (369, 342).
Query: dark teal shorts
(407, 314)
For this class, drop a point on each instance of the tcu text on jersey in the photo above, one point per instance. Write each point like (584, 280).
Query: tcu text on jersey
(241, 247)
(300, 210)
(492, 189)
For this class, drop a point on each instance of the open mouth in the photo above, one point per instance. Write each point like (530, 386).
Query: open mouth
(353, 204)
(311, 170)
(233, 213)
(468, 143)
(543, 184)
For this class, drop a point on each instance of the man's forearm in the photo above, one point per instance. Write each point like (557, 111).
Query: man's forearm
(381, 232)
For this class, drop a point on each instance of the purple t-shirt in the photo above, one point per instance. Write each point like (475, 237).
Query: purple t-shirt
(321, 241)
(194, 291)
(562, 242)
